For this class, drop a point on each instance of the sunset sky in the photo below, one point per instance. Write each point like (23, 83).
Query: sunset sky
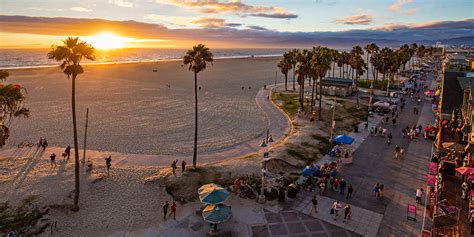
(231, 23)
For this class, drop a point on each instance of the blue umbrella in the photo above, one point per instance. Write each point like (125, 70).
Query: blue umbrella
(212, 194)
(344, 139)
(216, 214)
(308, 171)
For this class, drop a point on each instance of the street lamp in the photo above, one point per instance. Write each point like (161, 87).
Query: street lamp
(333, 122)
(264, 145)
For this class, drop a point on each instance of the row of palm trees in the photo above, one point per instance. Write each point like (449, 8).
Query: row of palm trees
(316, 63)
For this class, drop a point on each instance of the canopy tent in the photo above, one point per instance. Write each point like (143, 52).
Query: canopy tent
(381, 104)
(429, 92)
(310, 170)
(216, 214)
(212, 194)
(344, 139)
(465, 170)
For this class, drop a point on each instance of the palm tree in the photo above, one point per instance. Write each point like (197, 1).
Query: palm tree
(292, 56)
(12, 98)
(197, 60)
(420, 53)
(413, 48)
(284, 68)
(368, 50)
(373, 50)
(321, 62)
(360, 67)
(70, 55)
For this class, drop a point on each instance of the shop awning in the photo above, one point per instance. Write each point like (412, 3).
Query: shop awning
(465, 170)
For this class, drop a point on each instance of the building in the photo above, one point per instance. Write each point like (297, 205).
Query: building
(338, 86)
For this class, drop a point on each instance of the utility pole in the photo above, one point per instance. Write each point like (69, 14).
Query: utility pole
(333, 123)
(85, 138)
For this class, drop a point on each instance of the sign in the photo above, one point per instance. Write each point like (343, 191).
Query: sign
(411, 212)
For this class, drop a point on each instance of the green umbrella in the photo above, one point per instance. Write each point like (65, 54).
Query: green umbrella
(212, 194)
(216, 214)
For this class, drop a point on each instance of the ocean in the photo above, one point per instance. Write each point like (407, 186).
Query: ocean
(34, 58)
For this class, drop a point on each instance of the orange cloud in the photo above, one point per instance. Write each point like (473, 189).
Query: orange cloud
(233, 6)
(398, 5)
(359, 19)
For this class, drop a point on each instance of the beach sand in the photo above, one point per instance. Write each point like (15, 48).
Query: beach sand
(133, 111)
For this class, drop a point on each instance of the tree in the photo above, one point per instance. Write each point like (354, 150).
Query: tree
(197, 60)
(320, 63)
(373, 49)
(71, 54)
(12, 98)
(420, 54)
(284, 68)
(292, 56)
(302, 70)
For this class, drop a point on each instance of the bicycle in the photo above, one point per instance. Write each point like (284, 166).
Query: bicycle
(25, 144)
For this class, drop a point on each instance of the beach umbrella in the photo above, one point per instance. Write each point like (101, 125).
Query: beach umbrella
(344, 139)
(465, 170)
(381, 104)
(212, 194)
(216, 214)
(308, 171)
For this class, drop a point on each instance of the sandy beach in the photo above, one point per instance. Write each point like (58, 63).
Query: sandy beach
(147, 108)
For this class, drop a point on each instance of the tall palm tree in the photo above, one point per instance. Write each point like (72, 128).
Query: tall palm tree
(360, 67)
(197, 60)
(321, 62)
(284, 68)
(292, 56)
(70, 55)
(413, 48)
(420, 54)
(12, 98)
(368, 50)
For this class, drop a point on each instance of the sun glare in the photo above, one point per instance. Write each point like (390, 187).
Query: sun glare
(107, 41)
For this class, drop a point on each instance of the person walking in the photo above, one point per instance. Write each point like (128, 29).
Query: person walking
(381, 192)
(53, 160)
(165, 209)
(40, 143)
(394, 121)
(350, 189)
(336, 183)
(108, 163)
(174, 167)
(342, 186)
(173, 210)
(389, 140)
(347, 212)
(45, 144)
(331, 182)
(336, 207)
(183, 166)
(314, 208)
(376, 190)
(68, 152)
(419, 194)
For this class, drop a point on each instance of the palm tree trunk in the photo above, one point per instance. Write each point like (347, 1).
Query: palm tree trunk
(312, 96)
(76, 146)
(333, 68)
(320, 96)
(195, 121)
(294, 69)
(286, 81)
(302, 94)
(340, 72)
(357, 89)
(367, 66)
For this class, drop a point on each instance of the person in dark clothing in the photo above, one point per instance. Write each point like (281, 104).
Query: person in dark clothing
(394, 120)
(45, 144)
(183, 166)
(108, 163)
(68, 152)
(53, 160)
(165, 209)
(342, 186)
(350, 189)
(389, 141)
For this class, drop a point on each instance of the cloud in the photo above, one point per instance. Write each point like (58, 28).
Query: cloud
(425, 33)
(209, 22)
(359, 19)
(121, 3)
(257, 28)
(206, 22)
(398, 6)
(232, 6)
(80, 9)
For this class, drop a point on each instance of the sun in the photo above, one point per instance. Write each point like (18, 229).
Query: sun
(107, 40)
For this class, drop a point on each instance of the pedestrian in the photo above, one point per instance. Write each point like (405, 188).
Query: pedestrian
(336, 207)
(174, 167)
(342, 186)
(376, 190)
(389, 141)
(53, 160)
(397, 151)
(419, 194)
(173, 210)
(394, 120)
(108, 163)
(40, 143)
(386, 119)
(165, 209)
(336, 183)
(45, 144)
(183, 166)
(331, 182)
(68, 152)
(347, 212)
(322, 187)
(372, 131)
(314, 208)
(350, 189)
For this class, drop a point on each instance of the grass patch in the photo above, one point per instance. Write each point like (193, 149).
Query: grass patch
(288, 102)
(19, 219)
(295, 153)
(379, 84)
